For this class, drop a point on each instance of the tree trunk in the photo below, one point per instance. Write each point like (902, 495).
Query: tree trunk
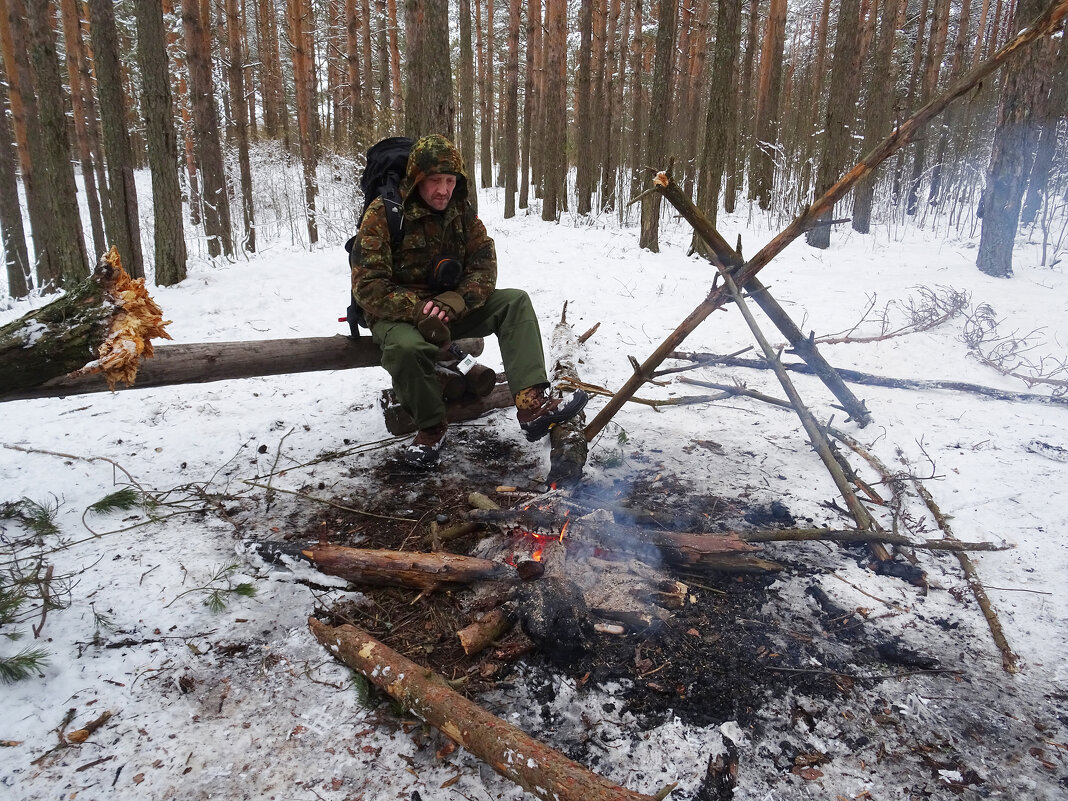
(660, 116)
(614, 81)
(385, 91)
(841, 112)
(583, 138)
(428, 77)
(554, 133)
(1010, 159)
(300, 22)
(949, 124)
(545, 773)
(762, 167)
(936, 45)
(722, 116)
(637, 99)
(124, 230)
(368, 83)
(12, 232)
(878, 108)
(72, 36)
(66, 225)
(398, 108)
(206, 128)
(484, 63)
(157, 110)
(14, 41)
(236, 75)
(511, 111)
(741, 144)
(356, 137)
(1055, 109)
(465, 79)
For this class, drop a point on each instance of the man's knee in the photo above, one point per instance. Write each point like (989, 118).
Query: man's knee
(404, 347)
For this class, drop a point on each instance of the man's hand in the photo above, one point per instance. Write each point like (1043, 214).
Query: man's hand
(433, 323)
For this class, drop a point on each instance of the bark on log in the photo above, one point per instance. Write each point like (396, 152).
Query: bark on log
(104, 325)
(380, 567)
(399, 422)
(534, 766)
(197, 363)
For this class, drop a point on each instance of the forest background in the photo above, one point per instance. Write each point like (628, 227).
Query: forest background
(565, 106)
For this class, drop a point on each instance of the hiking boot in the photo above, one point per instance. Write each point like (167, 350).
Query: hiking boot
(538, 413)
(423, 451)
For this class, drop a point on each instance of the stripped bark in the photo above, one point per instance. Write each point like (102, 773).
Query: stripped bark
(105, 324)
(534, 766)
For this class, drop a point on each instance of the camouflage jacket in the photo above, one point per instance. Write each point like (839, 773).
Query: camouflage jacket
(391, 283)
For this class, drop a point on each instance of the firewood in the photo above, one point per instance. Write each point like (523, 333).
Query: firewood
(480, 634)
(400, 422)
(533, 765)
(380, 567)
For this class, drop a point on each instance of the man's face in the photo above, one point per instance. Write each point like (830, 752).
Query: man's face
(436, 190)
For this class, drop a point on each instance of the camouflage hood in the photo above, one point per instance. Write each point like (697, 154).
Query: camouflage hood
(434, 154)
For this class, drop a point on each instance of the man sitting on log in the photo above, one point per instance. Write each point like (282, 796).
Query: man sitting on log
(438, 283)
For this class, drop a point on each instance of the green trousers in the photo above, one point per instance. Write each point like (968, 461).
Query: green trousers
(409, 359)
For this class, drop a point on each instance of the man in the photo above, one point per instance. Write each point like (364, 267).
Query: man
(439, 284)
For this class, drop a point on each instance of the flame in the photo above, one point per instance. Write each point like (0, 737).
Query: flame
(563, 529)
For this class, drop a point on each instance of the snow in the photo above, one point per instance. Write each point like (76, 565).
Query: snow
(285, 721)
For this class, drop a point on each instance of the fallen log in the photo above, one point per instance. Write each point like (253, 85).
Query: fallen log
(399, 422)
(379, 567)
(199, 363)
(870, 379)
(534, 766)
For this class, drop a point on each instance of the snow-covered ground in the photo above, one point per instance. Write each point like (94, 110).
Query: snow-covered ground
(243, 703)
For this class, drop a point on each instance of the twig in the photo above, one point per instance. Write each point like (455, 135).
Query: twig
(269, 497)
(46, 599)
(1009, 659)
(593, 389)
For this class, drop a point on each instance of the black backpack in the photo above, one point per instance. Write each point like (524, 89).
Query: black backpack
(387, 163)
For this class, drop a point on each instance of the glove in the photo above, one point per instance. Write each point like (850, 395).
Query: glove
(453, 303)
(433, 328)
